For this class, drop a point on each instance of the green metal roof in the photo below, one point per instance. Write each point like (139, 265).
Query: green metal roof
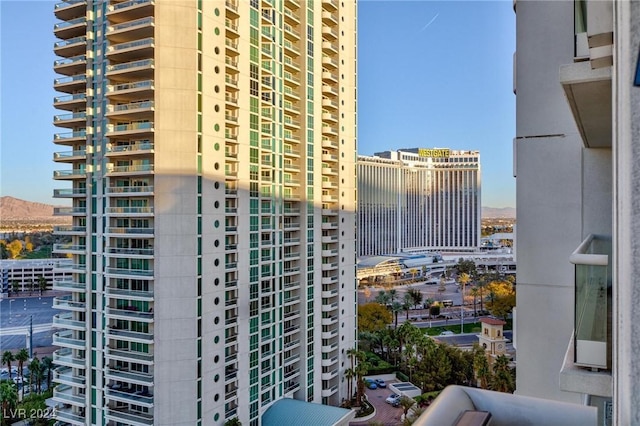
(292, 412)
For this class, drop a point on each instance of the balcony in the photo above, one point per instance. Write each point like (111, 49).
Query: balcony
(128, 231)
(130, 314)
(290, 17)
(129, 396)
(65, 320)
(329, 18)
(593, 292)
(70, 66)
(65, 357)
(128, 356)
(146, 296)
(73, 101)
(69, 192)
(124, 415)
(70, 137)
(130, 10)
(131, 273)
(588, 92)
(329, 62)
(71, 84)
(79, 268)
(71, 47)
(69, 248)
(68, 284)
(130, 70)
(70, 156)
(129, 252)
(69, 9)
(69, 230)
(65, 340)
(131, 336)
(131, 129)
(67, 303)
(64, 375)
(73, 28)
(131, 50)
(329, 48)
(132, 110)
(66, 395)
(328, 392)
(329, 90)
(77, 119)
(128, 376)
(136, 90)
(131, 30)
(130, 191)
(70, 174)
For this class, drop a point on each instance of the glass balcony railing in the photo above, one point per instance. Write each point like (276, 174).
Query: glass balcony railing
(131, 24)
(69, 98)
(69, 154)
(146, 125)
(145, 84)
(71, 79)
(68, 61)
(130, 65)
(145, 42)
(69, 192)
(130, 106)
(70, 135)
(71, 23)
(593, 292)
(72, 116)
(126, 4)
(69, 42)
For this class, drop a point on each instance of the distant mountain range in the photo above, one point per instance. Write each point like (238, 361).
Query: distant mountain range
(498, 212)
(16, 209)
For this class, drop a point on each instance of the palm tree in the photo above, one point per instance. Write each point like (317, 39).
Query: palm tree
(233, 422)
(407, 303)
(383, 298)
(475, 291)
(15, 286)
(7, 357)
(22, 357)
(481, 366)
(42, 283)
(396, 308)
(352, 354)
(361, 370)
(349, 374)
(416, 296)
(8, 398)
(502, 380)
(406, 403)
(47, 367)
(36, 374)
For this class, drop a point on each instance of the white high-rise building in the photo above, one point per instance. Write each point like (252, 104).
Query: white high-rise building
(210, 149)
(578, 108)
(417, 200)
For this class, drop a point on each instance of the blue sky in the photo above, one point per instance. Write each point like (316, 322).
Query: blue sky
(430, 74)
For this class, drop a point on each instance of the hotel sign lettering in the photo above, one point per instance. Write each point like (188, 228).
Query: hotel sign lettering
(434, 153)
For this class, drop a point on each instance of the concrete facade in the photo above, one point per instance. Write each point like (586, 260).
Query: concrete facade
(211, 148)
(577, 127)
(419, 200)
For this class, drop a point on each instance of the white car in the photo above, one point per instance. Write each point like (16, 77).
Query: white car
(393, 399)
(447, 333)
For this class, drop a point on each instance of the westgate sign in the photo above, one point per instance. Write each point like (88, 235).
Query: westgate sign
(434, 153)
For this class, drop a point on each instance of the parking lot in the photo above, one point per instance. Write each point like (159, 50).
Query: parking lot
(385, 413)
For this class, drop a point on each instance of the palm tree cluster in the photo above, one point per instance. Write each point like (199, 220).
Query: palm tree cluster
(411, 300)
(431, 365)
(39, 370)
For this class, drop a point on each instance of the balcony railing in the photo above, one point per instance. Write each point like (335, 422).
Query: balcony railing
(593, 291)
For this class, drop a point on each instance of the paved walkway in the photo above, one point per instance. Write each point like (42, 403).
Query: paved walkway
(386, 414)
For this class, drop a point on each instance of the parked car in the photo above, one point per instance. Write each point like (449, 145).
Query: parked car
(370, 384)
(393, 399)
(381, 383)
(447, 333)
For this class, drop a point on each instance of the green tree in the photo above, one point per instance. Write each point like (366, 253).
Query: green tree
(42, 284)
(36, 374)
(467, 267)
(361, 370)
(416, 296)
(383, 298)
(47, 366)
(373, 317)
(21, 357)
(396, 308)
(481, 366)
(233, 422)
(7, 359)
(15, 248)
(475, 292)
(406, 403)
(8, 399)
(502, 379)
(15, 284)
(407, 304)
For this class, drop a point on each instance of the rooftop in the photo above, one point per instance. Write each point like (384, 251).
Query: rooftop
(292, 412)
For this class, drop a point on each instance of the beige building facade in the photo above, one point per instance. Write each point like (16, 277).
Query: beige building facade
(209, 152)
